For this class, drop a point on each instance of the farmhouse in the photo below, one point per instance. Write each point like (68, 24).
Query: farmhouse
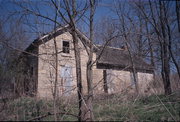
(112, 73)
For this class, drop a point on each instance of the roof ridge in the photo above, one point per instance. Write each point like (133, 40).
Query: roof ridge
(111, 47)
(52, 32)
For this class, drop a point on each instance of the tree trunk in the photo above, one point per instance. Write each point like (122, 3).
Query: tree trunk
(151, 50)
(130, 55)
(77, 57)
(56, 72)
(165, 53)
(89, 112)
(170, 48)
(133, 69)
(78, 74)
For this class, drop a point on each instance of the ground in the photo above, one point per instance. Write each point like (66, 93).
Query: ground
(106, 107)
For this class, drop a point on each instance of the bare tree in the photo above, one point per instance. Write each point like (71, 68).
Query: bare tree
(125, 32)
(164, 52)
(157, 15)
(89, 114)
(56, 70)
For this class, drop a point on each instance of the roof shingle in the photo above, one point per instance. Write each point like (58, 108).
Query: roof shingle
(120, 58)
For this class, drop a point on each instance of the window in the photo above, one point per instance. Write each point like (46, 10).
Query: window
(66, 48)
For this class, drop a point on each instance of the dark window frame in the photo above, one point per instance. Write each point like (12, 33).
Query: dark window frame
(65, 46)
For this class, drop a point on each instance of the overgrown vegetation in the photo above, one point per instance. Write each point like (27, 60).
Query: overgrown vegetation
(147, 29)
(107, 107)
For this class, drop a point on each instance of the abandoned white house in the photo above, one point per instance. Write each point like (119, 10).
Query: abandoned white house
(111, 74)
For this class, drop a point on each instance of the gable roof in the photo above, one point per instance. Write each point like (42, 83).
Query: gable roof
(47, 37)
(56, 33)
(110, 57)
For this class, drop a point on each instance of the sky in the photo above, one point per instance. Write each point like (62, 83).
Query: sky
(8, 8)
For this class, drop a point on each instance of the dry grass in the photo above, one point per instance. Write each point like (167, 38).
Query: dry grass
(114, 107)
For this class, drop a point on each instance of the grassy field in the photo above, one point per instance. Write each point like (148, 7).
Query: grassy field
(106, 107)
